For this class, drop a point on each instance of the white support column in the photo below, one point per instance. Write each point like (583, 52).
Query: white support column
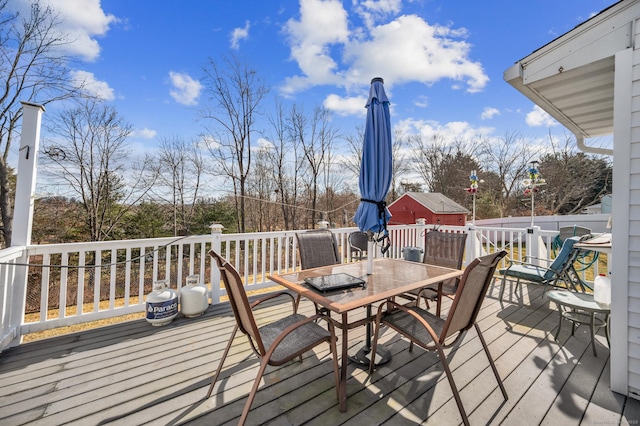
(623, 158)
(23, 210)
(27, 171)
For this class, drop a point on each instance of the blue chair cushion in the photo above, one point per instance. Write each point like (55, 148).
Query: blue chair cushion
(562, 257)
(526, 272)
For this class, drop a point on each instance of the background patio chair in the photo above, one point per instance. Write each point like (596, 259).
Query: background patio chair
(561, 269)
(359, 244)
(442, 249)
(317, 248)
(430, 331)
(275, 343)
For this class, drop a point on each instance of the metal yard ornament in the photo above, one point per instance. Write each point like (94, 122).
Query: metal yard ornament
(532, 185)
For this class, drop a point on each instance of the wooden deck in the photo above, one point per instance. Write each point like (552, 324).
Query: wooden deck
(134, 373)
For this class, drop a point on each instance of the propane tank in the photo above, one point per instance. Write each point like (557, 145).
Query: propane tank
(602, 291)
(194, 297)
(162, 304)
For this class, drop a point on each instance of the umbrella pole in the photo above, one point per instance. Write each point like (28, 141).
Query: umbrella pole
(370, 252)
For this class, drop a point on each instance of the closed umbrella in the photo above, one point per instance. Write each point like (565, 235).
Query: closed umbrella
(376, 169)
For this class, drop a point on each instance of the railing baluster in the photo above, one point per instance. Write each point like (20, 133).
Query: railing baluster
(62, 297)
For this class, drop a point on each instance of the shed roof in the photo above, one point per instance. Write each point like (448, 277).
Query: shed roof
(572, 77)
(436, 202)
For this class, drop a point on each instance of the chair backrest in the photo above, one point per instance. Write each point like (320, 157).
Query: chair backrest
(317, 248)
(470, 294)
(359, 241)
(563, 257)
(444, 248)
(239, 301)
(573, 231)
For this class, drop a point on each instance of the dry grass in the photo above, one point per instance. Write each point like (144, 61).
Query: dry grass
(87, 307)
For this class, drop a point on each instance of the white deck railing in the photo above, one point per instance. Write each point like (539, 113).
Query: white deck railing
(48, 286)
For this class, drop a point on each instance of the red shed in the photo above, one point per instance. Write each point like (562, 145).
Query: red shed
(434, 207)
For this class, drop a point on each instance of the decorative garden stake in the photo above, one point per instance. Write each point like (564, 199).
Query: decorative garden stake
(473, 189)
(532, 185)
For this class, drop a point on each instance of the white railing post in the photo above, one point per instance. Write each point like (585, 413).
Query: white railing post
(12, 298)
(533, 245)
(472, 248)
(216, 245)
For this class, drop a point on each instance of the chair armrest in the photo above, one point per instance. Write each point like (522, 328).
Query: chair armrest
(273, 296)
(393, 305)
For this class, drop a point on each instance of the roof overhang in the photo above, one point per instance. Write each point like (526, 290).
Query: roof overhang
(572, 77)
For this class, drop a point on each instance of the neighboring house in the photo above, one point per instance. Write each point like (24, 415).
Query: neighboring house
(589, 80)
(603, 207)
(434, 207)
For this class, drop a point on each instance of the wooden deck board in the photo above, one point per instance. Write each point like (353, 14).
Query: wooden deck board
(134, 373)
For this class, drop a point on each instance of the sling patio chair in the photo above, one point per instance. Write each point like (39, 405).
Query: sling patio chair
(358, 244)
(433, 333)
(274, 343)
(561, 269)
(442, 249)
(317, 248)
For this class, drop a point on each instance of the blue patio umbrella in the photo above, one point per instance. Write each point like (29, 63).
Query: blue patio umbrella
(376, 167)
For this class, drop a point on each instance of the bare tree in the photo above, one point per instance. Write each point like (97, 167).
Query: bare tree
(286, 163)
(181, 167)
(262, 209)
(235, 93)
(31, 69)
(428, 155)
(92, 157)
(401, 163)
(355, 142)
(507, 158)
(316, 136)
(574, 179)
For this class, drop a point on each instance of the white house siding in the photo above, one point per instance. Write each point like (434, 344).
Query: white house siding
(633, 226)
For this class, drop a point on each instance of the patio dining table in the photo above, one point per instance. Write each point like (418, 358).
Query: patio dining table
(390, 278)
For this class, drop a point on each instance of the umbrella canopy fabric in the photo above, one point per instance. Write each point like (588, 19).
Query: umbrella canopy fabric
(376, 167)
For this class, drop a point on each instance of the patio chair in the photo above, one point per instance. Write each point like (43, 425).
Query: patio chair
(317, 248)
(358, 244)
(431, 332)
(442, 249)
(561, 269)
(274, 343)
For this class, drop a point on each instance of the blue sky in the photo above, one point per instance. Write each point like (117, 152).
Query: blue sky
(442, 61)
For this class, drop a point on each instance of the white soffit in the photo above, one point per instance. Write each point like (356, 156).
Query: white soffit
(572, 77)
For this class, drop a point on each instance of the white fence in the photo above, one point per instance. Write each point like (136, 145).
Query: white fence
(48, 286)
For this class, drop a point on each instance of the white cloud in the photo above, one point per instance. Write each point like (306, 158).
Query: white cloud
(539, 118)
(144, 133)
(422, 101)
(406, 49)
(265, 144)
(81, 22)
(489, 113)
(185, 90)
(447, 132)
(90, 85)
(372, 10)
(346, 106)
(239, 34)
(322, 24)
